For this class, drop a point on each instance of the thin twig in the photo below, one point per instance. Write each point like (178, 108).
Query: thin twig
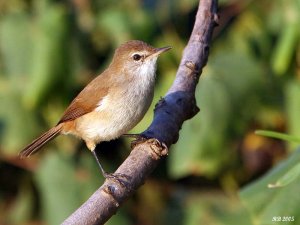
(178, 105)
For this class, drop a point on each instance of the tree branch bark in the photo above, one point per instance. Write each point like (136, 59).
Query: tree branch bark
(178, 105)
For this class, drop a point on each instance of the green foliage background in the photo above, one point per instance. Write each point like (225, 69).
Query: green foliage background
(217, 173)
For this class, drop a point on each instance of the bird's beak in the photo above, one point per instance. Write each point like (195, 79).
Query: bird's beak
(158, 51)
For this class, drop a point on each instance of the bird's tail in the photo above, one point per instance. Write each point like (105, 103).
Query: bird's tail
(35, 145)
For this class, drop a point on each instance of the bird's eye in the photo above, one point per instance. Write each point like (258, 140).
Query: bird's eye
(136, 57)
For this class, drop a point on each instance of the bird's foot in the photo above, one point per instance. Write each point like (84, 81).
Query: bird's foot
(138, 140)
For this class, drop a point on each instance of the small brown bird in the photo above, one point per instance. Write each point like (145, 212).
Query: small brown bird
(111, 104)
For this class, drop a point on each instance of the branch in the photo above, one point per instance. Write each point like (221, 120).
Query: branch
(178, 105)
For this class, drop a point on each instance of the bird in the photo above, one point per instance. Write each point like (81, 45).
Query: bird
(112, 103)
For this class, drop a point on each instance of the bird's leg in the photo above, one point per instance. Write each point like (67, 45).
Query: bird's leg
(104, 173)
(119, 177)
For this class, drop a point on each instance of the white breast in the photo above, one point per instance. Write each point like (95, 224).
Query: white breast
(112, 118)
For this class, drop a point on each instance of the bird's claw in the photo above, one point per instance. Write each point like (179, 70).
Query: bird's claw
(138, 141)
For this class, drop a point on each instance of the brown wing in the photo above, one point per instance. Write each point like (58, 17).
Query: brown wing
(75, 110)
(87, 100)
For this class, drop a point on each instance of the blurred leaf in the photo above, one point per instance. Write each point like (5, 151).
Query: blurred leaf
(119, 31)
(285, 47)
(151, 198)
(50, 55)
(248, 34)
(264, 203)
(292, 102)
(222, 91)
(275, 18)
(22, 207)
(142, 25)
(290, 176)
(119, 218)
(209, 208)
(126, 24)
(186, 5)
(278, 135)
(57, 185)
(19, 125)
(15, 46)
